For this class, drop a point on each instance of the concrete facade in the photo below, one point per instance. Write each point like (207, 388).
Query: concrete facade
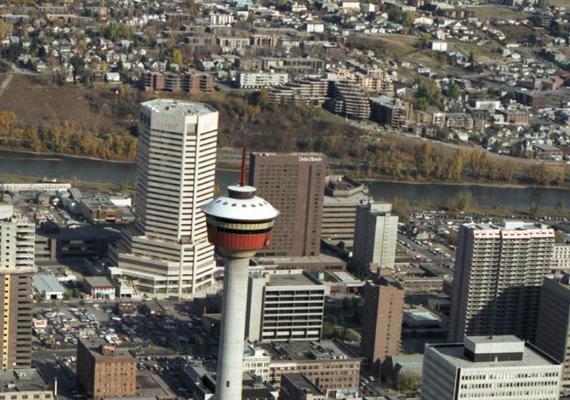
(293, 183)
(16, 270)
(167, 253)
(486, 368)
(342, 198)
(375, 237)
(498, 275)
(284, 308)
(560, 258)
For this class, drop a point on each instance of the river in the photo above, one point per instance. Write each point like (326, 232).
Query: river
(63, 167)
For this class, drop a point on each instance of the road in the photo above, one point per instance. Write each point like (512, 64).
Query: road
(424, 251)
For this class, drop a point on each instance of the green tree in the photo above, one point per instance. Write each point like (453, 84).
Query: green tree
(454, 91)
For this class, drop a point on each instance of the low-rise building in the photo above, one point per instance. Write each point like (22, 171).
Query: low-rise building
(48, 287)
(260, 80)
(104, 371)
(99, 287)
(324, 364)
(297, 387)
(25, 384)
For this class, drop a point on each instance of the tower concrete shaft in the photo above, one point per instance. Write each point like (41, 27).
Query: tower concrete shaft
(230, 353)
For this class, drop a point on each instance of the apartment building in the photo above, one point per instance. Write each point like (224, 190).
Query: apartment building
(16, 270)
(499, 271)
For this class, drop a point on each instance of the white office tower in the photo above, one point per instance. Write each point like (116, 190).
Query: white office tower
(284, 307)
(167, 252)
(499, 271)
(16, 242)
(375, 237)
(489, 368)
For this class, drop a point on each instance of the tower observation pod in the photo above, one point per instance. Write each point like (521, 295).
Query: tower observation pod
(239, 225)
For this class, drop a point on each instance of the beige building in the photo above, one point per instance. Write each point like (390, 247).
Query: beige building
(167, 252)
(489, 368)
(499, 271)
(375, 237)
(381, 322)
(16, 269)
(284, 307)
(343, 196)
(560, 258)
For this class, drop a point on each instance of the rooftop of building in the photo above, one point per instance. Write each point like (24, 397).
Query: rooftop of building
(320, 259)
(98, 281)
(343, 186)
(301, 382)
(101, 350)
(46, 283)
(324, 350)
(508, 225)
(177, 107)
(489, 346)
(22, 380)
(290, 280)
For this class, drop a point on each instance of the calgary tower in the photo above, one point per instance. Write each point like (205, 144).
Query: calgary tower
(239, 225)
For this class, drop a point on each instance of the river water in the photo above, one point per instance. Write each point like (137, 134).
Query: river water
(116, 172)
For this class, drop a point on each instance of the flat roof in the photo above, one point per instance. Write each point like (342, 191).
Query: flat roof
(97, 281)
(172, 106)
(320, 259)
(301, 382)
(323, 350)
(290, 280)
(47, 283)
(455, 354)
(22, 380)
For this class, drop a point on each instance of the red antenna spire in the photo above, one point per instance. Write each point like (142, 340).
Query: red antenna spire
(243, 171)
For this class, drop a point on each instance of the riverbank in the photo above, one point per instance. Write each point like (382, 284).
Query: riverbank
(229, 160)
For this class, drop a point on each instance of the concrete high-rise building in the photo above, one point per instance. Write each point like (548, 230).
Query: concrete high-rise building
(489, 368)
(16, 270)
(553, 328)
(239, 224)
(560, 258)
(498, 275)
(342, 198)
(293, 183)
(104, 371)
(381, 321)
(375, 237)
(284, 308)
(167, 252)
